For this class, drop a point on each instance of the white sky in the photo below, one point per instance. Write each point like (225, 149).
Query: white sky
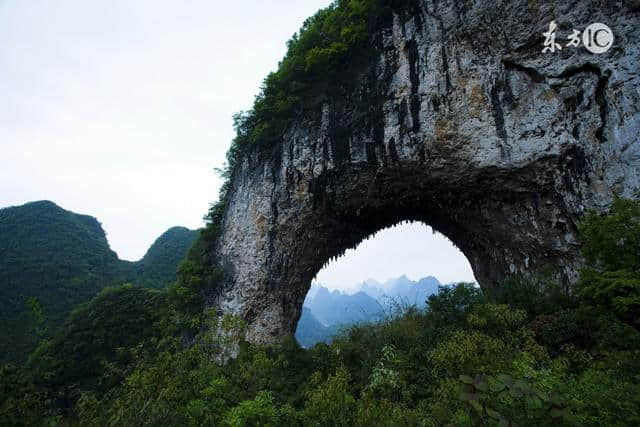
(121, 109)
(412, 249)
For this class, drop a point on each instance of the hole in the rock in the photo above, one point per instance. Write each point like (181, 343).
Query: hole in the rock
(395, 268)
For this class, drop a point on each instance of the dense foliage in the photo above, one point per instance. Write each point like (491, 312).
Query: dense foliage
(612, 247)
(470, 358)
(51, 260)
(100, 335)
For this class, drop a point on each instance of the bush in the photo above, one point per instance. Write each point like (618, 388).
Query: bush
(613, 291)
(469, 352)
(330, 402)
(497, 320)
(537, 295)
(554, 330)
(503, 400)
(259, 411)
(450, 306)
(612, 242)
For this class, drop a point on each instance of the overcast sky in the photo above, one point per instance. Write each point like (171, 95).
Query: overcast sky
(121, 109)
(409, 248)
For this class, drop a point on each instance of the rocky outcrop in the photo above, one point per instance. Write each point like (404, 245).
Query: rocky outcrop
(461, 122)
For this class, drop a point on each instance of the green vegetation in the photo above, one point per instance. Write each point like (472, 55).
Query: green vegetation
(158, 268)
(51, 260)
(103, 334)
(327, 54)
(470, 358)
(612, 247)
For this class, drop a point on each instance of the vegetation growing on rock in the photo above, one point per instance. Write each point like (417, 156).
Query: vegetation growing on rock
(327, 52)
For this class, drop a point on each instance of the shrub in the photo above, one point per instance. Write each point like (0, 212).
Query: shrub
(451, 305)
(536, 295)
(469, 352)
(497, 320)
(613, 291)
(612, 242)
(554, 330)
(259, 411)
(503, 400)
(330, 402)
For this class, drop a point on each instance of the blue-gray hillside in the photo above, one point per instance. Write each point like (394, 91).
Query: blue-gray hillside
(325, 311)
(310, 331)
(338, 308)
(402, 291)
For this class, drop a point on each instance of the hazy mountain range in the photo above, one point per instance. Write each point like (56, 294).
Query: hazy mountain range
(326, 311)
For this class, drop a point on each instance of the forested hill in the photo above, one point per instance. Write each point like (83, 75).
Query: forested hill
(157, 268)
(52, 259)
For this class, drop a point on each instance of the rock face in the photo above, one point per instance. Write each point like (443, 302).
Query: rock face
(461, 122)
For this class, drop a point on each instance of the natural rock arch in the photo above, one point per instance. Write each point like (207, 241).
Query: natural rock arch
(462, 123)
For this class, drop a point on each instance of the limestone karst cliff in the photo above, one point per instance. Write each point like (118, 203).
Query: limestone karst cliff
(459, 121)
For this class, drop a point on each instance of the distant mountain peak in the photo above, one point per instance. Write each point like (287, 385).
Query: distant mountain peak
(42, 203)
(371, 282)
(325, 310)
(175, 239)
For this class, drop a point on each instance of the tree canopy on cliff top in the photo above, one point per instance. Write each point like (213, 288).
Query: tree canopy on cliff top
(328, 51)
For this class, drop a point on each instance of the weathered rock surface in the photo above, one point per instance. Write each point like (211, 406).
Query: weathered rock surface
(462, 123)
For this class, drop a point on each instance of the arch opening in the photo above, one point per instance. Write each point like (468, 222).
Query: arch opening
(390, 270)
(274, 244)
